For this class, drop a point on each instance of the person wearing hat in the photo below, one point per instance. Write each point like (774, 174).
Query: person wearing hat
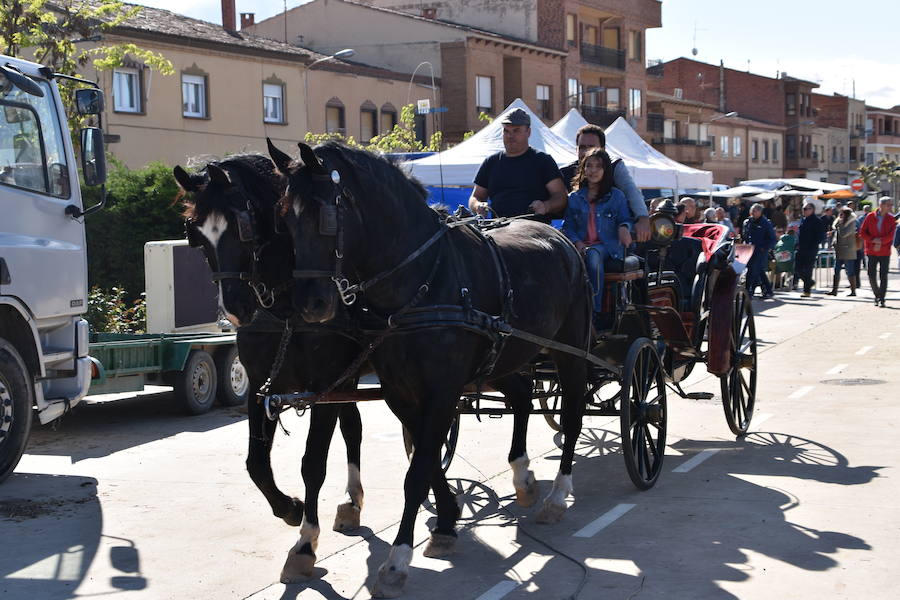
(519, 180)
(810, 235)
(591, 136)
(878, 232)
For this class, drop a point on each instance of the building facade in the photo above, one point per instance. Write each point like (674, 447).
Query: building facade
(883, 134)
(843, 122)
(231, 90)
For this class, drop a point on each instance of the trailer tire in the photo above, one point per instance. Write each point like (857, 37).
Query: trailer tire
(195, 386)
(234, 386)
(16, 407)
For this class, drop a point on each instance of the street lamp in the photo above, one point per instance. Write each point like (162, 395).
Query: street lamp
(727, 115)
(345, 53)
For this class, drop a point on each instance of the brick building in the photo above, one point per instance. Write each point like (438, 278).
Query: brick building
(480, 70)
(883, 131)
(843, 121)
(784, 101)
(603, 72)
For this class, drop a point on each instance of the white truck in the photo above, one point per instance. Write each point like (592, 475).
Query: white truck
(44, 363)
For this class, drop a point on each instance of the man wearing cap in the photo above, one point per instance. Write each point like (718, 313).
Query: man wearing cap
(519, 180)
(591, 136)
(878, 232)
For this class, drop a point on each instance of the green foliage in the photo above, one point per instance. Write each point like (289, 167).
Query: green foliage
(883, 170)
(110, 311)
(402, 138)
(483, 116)
(140, 207)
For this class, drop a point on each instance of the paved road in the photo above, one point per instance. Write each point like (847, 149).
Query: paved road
(132, 500)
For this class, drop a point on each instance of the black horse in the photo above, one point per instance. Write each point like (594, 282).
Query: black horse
(231, 215)
(354, 217)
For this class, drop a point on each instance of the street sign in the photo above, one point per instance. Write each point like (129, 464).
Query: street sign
(857, 185)
(423, 107)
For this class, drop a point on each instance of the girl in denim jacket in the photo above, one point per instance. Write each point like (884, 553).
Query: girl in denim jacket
(597, 218)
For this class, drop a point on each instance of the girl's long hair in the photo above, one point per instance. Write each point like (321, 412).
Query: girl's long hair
(606, 184)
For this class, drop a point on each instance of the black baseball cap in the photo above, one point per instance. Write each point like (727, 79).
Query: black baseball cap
(516, 117)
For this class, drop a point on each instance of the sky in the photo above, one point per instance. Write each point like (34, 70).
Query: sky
(830, 42)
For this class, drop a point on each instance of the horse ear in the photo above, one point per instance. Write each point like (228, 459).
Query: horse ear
(309, 158)
(281, 160)
(217, 175)
(188, 182)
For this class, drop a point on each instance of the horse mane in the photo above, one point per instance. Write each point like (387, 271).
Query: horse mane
(372, 170)
(258, 176)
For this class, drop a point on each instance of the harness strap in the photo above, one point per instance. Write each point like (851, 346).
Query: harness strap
(312, 274)
(364, 285)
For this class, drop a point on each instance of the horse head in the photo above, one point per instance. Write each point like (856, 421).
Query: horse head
(229, 214)
(312, 211)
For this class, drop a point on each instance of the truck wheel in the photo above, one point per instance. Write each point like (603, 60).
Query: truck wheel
(195, 386)
(16, 399)
(233, 382)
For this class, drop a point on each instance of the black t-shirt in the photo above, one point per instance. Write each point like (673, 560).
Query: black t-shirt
(515, 182)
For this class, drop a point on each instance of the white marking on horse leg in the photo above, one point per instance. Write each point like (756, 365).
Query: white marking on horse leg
(523, 481)
(309, 534)
(347, 517)
(393, 573)
(354, 486)
(298, 567)
(555, 502)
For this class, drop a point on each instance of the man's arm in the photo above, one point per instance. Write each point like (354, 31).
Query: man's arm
(623, 181)
(478, 200)
(556, 200)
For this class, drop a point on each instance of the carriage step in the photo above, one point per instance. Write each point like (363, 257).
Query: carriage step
(699, 396)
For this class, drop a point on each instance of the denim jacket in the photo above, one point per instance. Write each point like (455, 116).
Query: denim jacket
(612, 211)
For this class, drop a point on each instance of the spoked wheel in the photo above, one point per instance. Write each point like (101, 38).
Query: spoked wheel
(549, 393)
(642, 413)
(449, 444)
(739, 384)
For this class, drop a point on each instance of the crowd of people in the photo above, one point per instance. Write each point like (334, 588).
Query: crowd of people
(604, 213)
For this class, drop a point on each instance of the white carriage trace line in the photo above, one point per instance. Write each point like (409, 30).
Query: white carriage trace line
(863, 350)
(802, 391)
(836, 369)
(600, 523)
(885, 335)
(693, 462)
(759, 419)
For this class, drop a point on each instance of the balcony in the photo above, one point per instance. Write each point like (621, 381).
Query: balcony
(605, 57)
(684, 150)
(597, 115)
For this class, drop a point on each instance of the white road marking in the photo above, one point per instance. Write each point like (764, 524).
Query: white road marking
(614, 565)
(863, 350)
(690, 464)
(594, 527)
(759, 419)
(885, 335)
(499, 590)
(802, 392)
(836, 369)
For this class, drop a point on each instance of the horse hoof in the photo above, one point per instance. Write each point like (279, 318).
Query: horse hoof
(551, 513)
(389, 584)
(298, 568)
(294, 516)
(527, 496)
(347, 517)
(440, 545)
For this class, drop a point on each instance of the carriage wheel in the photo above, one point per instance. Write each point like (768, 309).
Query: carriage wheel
(449, 444)
(642, 413)
(739, 384)
(550, 390)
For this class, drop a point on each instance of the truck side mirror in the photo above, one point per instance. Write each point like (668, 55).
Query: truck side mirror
(93, 156)
(89, 101)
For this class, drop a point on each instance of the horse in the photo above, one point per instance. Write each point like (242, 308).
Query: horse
(230, 214)
(356, 217)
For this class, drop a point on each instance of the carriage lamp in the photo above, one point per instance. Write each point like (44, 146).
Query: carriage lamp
(663, 229)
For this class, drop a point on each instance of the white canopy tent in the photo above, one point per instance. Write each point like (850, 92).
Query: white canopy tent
(649, 167)
(568, 126)
(458, 165)
(796, 184)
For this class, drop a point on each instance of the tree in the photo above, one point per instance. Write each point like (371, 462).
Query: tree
(883, 171)
(402, 138)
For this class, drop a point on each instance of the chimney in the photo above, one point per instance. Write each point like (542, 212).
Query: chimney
(247, 20)
(228, 15)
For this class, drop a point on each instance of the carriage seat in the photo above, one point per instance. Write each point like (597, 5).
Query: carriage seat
(682, 260)
(628, 269)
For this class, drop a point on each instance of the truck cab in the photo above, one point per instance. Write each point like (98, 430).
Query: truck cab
(44, 364)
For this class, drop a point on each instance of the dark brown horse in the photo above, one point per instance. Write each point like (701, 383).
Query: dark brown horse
(360, 224)
(231, 215)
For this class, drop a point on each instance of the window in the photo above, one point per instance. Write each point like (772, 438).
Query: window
(724, 145)
(791, 104)
(852, 153)
(669, 129)
(589, 36)
(790, 146)
(368, 121)
(703, 133)
(484, 87)
(193, 96)
(273, 103)
(32, 147)
(613, 101)
(573, 90)
(545, 106)
(334, 117)
(127, 90)
(571, 28)
(834, 154)
(754, 150)
(388, 118)
(635, 105)
(765, 147)
(635, 51)
(712, 146)
(774, 150)
(738, 143)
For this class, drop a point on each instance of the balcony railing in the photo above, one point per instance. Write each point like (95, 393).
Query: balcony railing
(681, 142)
(607, 57)
(597, 115)
(655, 122)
